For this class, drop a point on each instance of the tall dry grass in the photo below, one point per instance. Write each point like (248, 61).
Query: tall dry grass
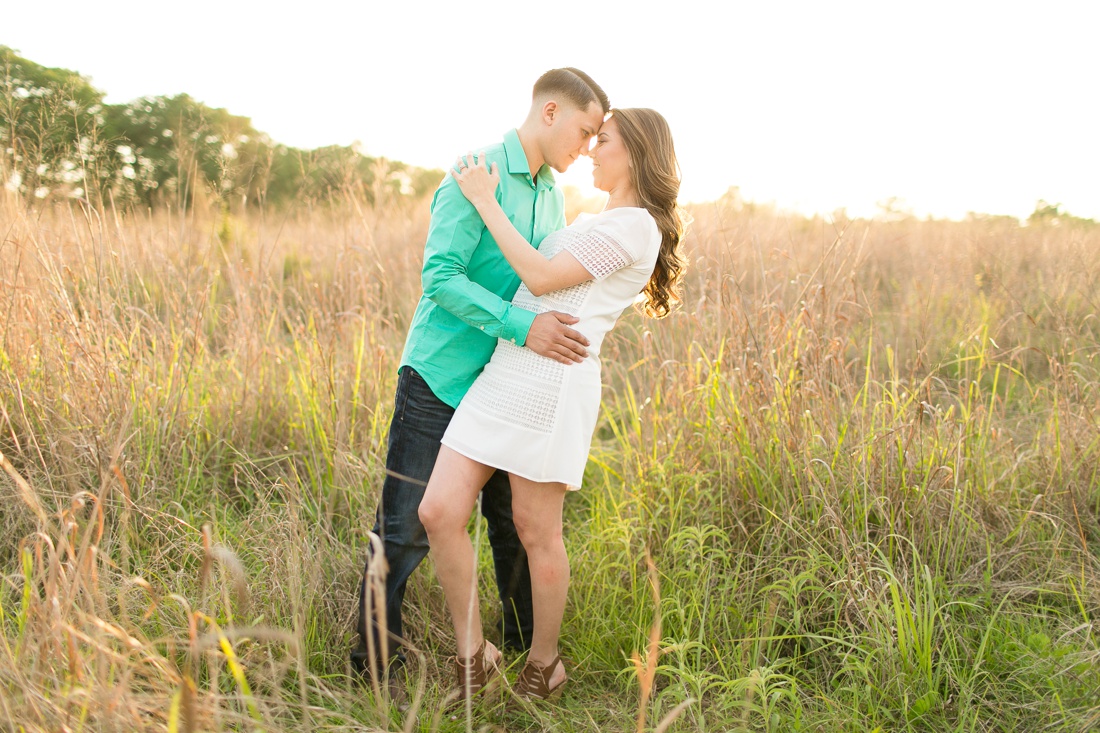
(862, 459)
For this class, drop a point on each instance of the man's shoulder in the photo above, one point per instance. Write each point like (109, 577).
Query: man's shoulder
(494, 151)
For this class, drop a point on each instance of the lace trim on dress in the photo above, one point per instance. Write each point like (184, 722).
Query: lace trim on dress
(567, 300)
(521, 360)
(533, 403)
(599, 252)
(530, 405)
(523, 406)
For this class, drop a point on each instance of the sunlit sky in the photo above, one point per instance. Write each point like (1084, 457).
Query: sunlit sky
(812, 106)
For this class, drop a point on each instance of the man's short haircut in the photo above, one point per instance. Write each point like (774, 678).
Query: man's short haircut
(572, 84)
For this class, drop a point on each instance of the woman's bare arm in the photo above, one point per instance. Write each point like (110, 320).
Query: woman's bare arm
(539, 274)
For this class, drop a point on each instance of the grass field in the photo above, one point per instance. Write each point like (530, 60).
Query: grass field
(862, 459)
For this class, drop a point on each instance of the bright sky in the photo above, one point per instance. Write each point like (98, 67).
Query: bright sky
(950, 106)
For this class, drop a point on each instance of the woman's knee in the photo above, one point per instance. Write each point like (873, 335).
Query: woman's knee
(524, 525)
(536, 512)
(536, 533)
(433, 514)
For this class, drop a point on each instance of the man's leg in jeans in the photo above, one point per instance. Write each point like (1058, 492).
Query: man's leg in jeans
(510, 561)
(419, 421)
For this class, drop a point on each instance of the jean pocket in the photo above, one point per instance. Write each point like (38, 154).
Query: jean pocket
(420, 404)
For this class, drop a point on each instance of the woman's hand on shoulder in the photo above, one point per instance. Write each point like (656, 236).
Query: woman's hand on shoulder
(477, 182)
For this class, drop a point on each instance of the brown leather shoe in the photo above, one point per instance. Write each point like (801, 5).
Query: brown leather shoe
(398, 692)
(533, 682)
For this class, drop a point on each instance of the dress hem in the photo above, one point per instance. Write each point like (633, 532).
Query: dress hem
(570, 484)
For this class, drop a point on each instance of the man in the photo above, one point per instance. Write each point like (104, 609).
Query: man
(464, 310)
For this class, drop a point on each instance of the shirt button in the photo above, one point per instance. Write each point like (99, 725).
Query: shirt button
(513, 341)
(482, 328)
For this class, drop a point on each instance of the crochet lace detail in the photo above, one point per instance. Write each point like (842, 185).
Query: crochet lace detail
(532, 404)
(599, 252)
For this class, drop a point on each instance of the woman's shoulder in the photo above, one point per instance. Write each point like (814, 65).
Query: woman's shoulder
(626, 212)
(633, 221)
(630, 228)
(624, 217)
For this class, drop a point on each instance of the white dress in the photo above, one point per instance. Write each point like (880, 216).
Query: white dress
(528, 414)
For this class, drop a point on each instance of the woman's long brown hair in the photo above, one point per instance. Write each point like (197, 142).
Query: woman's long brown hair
(655, 175)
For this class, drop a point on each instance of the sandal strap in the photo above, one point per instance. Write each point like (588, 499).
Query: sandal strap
(534, 678)
(472, 670)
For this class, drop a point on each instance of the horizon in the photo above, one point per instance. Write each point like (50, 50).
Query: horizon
(807, 109)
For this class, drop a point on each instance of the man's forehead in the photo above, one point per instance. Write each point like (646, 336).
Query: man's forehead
(594, 115)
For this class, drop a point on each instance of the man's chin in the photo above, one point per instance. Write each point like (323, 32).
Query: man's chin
(561, 167)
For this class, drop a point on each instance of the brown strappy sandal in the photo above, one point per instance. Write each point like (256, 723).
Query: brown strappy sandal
(473, 674)
(533, 682)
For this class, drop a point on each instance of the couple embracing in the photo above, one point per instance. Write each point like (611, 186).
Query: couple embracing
(499, 384)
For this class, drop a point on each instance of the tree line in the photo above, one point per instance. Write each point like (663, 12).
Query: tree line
(59, 139)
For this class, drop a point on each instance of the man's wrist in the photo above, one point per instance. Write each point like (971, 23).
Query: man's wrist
(517, 325)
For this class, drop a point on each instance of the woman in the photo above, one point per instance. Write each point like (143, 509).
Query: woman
(533, 417)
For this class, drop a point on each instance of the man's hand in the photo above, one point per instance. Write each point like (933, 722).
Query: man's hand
(551, 336)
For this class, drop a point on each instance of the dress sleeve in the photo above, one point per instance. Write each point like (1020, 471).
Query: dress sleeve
(614, 243)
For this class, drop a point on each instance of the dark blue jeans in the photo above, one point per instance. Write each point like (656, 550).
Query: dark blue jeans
(419, 421)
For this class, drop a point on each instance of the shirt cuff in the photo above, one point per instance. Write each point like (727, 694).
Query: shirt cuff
(516, 325)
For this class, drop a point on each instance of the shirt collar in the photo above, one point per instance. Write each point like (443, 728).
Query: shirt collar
(518, 165)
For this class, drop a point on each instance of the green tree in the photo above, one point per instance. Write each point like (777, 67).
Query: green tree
(167, 147)
(59, 139)
(1054, 215)
(50, 125)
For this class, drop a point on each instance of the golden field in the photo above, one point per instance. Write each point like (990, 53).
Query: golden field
(862, 458)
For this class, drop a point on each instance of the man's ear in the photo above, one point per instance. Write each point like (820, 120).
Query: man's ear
(550, 112)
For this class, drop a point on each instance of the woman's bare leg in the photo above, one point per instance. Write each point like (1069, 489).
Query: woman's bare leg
(445, 512)
(536, 509)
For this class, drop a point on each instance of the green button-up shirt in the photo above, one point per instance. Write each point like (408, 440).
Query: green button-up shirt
(467, 282)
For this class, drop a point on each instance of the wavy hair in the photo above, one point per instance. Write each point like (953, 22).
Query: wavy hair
(655, 176)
